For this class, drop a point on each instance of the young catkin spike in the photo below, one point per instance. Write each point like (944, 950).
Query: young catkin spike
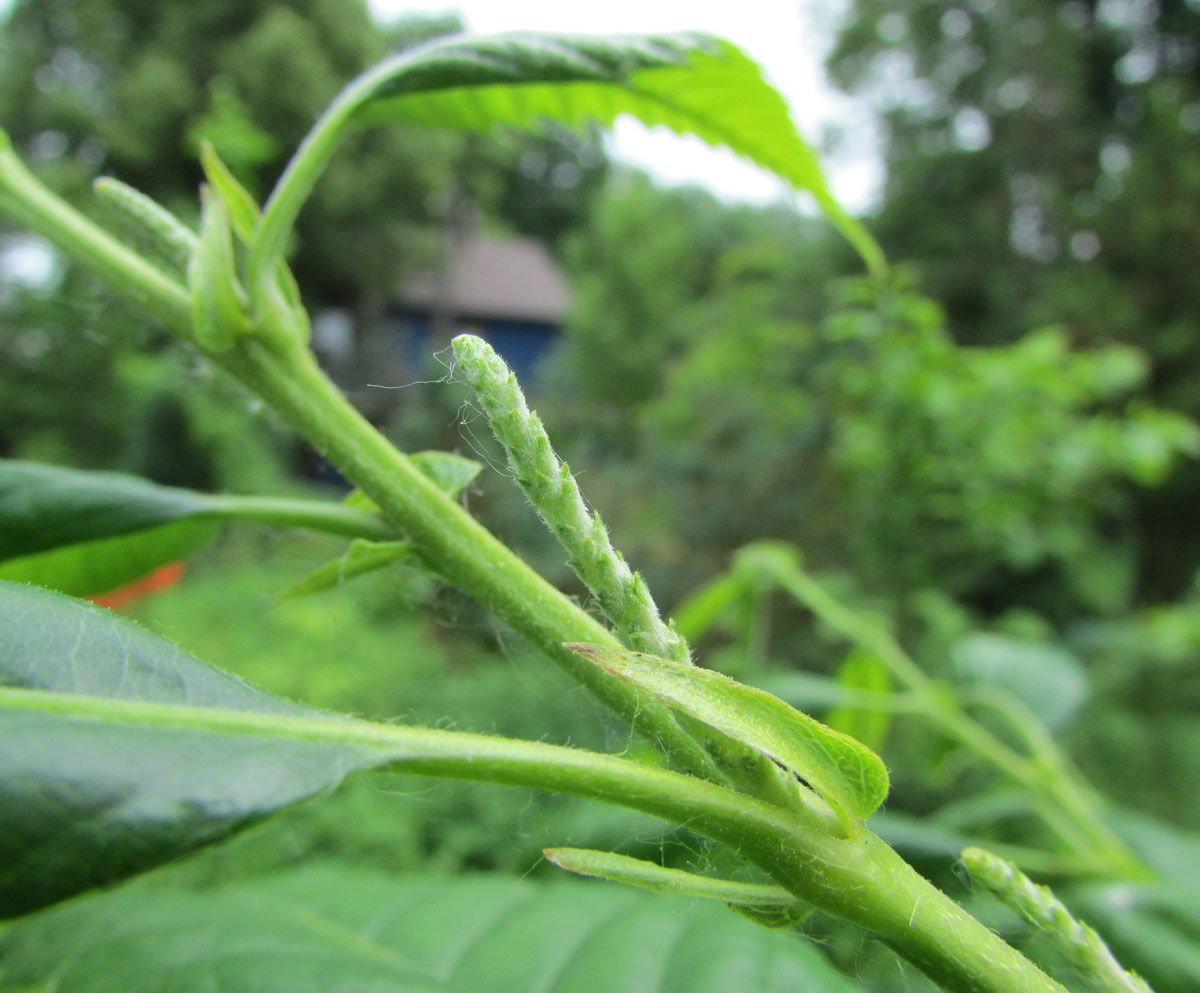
(550, 487)
(146, 218)
(1075, 941)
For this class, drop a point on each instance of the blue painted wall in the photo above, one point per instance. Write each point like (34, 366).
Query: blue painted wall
(522, 344)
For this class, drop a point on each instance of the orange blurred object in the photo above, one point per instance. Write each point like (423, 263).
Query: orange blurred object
(162, 578)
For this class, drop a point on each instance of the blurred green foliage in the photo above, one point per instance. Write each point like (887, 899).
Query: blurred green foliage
(1041, 168)
(1002, 476)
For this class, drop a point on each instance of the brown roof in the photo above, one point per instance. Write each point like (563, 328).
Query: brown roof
(493, 276)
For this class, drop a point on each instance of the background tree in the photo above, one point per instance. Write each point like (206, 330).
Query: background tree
(130, 89)
(1040, 168)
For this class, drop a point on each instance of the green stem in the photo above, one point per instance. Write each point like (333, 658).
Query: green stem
(449, 540)
(306, 165)
(860, 880)
(25, 200)
(330, 518)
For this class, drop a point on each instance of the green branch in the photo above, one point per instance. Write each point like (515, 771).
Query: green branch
(450, 541)
(860, 880)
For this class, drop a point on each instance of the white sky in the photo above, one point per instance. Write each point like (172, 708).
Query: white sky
(788, 38)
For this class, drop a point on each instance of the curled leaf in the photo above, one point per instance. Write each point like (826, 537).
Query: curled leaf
(243, 211)
(845, 773)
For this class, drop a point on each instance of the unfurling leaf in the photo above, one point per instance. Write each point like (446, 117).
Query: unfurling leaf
(218, 316)
(452, 474)
(771, 906)
(360, 558)
(244, 214)
(845, 773)
(243, 211)
(690, 83)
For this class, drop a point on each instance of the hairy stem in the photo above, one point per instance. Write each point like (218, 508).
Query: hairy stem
(859, 879)
(1075, 941)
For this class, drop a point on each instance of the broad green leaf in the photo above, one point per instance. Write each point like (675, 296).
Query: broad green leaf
(87, 532)
(452, 473)
(772, 906)
(328, 927)
(690, 83)
(1050, 681)
(90, 567)
(865, 672)
(118, 751)
(83, 804)
(845, 773)
(44, 506)
(360, 558)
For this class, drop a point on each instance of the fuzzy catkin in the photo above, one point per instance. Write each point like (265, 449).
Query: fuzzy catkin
(547, 482)
(1075, 941)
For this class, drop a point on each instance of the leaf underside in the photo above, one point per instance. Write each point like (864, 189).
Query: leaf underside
(689, 83)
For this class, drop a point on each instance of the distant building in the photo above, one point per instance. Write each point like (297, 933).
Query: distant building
(507, 290)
